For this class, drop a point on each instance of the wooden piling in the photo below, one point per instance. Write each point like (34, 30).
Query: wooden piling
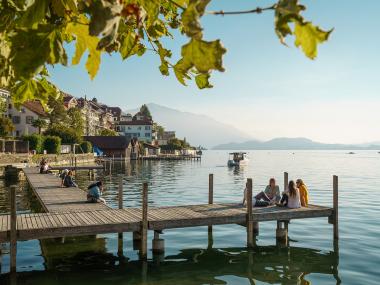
(335, 207)
(286, 180)
(13, 231)
(282, 233)
(250, 235)
(120, 192)
(210, 195)
(211, 188)
(144, 223)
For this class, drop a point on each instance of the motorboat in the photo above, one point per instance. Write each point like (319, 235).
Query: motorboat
(237, 159)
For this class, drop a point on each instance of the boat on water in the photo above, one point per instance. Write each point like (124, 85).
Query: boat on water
(237, 159)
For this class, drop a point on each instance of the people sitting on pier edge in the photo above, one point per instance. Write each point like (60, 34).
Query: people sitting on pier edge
(291, 197)
(68, 181)
(95, 192)
(269, 196)
(44, 166)
(63, 176)
(304, 193)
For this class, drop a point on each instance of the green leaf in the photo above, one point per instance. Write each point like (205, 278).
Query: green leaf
(128, 45)
(286, 11)
(163, 53)
(85, 42)
(34, 14)
(31, 49)
(33, 89)
(181, 71)
(191, 16)
(152, 8)
(204, 56)
(308, 36)
(202, 81)
(105, 20)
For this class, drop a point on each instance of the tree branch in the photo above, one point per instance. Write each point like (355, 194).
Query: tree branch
(176, 4)
(257, 10)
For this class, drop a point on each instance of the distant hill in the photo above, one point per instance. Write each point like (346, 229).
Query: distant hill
(290, 143)
(198, 129)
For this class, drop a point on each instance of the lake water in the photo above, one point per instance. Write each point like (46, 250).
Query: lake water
(190, 257)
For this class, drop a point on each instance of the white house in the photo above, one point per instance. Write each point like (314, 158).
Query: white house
(23, 118)
(140, 127)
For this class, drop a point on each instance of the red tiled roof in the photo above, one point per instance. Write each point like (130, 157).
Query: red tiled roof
(35, 107)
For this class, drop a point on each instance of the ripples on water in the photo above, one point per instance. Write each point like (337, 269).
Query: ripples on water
(188, 259)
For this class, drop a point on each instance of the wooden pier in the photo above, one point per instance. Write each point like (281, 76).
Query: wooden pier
(68, 214)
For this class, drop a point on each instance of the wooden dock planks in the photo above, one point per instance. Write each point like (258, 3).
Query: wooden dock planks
(48, 225)
(68, 214)
(54, 198)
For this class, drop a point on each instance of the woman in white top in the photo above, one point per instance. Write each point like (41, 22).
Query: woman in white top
(291, 198)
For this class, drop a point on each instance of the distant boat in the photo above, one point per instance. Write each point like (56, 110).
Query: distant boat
(237, 159)
(351, 152)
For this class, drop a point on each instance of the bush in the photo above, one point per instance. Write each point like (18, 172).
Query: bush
(85, 147)
(52, 144)
(36, 142)
(67, 135)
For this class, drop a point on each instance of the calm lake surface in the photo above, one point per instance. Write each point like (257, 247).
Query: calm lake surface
(190, 258)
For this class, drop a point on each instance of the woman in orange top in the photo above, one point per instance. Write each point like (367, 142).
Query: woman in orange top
(304, 195)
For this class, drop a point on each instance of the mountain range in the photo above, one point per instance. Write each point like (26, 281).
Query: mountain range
(292, 144)
(198, 129)
(206, 131)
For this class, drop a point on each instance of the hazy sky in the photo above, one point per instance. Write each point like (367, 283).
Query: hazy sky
(268, 90)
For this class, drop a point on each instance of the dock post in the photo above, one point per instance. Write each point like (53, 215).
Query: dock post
(75, 163)
(120, 235)
(144, 223)
(158, 246)
(211, 188)
(13, 230)
(335, 207)
(120, 192)
(286, 180)
(282, 233)
(210, 201)
(250, 235)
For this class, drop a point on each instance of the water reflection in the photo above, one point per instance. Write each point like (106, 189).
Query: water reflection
(268, 264)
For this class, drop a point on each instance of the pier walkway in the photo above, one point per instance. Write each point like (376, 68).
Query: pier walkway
(68, 214)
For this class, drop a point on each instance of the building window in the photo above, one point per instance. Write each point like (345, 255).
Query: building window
(16, 119)
(138, 135)
(147, 128)
(29, 119)
(129, 128)
(22, 110)
(17, 133)
(10, 106)
(139, 128)
(147, 135)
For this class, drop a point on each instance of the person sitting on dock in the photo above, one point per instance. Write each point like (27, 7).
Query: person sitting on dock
(291, 197)
(271, 194)
(44, 167)
(304, 193)
(68, 181)
(94, 193)
(63, 176)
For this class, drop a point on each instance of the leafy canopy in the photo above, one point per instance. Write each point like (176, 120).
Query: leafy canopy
(35, 34)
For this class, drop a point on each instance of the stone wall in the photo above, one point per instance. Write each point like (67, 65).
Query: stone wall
(54, 159)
